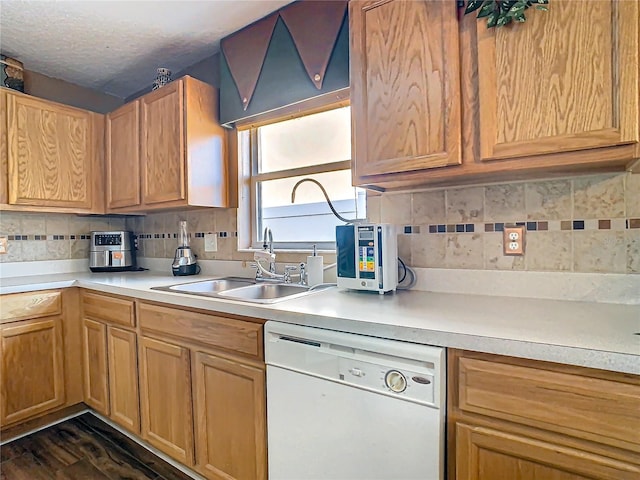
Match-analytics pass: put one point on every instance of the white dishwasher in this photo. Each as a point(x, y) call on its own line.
point(342, 406)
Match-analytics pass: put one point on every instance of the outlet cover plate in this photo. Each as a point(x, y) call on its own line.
point(210, 242)
point(513, 240)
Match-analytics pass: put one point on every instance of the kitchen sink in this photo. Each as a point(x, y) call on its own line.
point(266, 293)
point(241, 289)
point(211, 286)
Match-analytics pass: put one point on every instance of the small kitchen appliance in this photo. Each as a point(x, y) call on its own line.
point(367, 256)
point(184, 261)
point(112, 251)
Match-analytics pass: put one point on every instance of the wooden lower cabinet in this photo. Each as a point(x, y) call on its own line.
point(94, 353)
point(230, 408)
point(488, 454)
point(165, 398)
point(32, 370)
point(122, 355)
point(526, 420)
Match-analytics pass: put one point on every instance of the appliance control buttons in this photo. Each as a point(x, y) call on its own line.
point(356, 372)
point(395, 381)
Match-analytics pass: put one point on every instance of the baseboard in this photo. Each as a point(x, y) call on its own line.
point(29, 427)
point(11, 433)
point(148, 447)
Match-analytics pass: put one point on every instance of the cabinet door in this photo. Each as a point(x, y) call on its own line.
point(94, 352)
point(487, 454)
point(165, 398)
point(230, 419)
point(123, 156)
point(4, 174)
point(566, 80)
point(50, 154)
point(32, 370)
point(162, 148)
point(123, 378)
point(405, 86)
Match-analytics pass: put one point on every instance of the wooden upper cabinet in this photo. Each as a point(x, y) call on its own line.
point(4, 175)
point(405, 86)
point(123, 156)
point(163, 162)
point(50, 154)
point(565, 80)
point(32, 368)
point(183, 148)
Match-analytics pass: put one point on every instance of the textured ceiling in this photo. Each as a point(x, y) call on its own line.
point(115, 46)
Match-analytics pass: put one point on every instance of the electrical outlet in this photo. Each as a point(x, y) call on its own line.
point(513, 240)
point(210, 242)
point(4, 245)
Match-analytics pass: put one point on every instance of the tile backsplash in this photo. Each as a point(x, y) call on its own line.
point(158, 235)
point(35, 236)
point(580, 224)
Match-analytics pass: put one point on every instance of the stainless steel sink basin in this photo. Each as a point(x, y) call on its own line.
point(266, 293)
point(241, 289)
point(211, 286)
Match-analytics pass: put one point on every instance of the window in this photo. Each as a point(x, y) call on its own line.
point(280, 154)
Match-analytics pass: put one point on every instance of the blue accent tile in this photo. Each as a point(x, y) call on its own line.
point(433, 229)
point(469, 227)
point(459, 227)
point(520, 224)
point(532, 226)
point(578, 224)
point(442, 228)
point(407, 229)
point(499, 227)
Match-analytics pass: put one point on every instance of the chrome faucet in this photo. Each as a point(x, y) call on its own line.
point(267, 245)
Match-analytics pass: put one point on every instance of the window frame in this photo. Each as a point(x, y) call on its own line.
point(249, 229)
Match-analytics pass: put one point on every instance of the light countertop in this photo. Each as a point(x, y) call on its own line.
point(596, 335)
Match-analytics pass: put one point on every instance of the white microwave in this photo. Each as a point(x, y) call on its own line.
point(367, 256)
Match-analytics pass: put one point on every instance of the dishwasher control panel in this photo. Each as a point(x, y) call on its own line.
point(393, 378)
point(401, 370)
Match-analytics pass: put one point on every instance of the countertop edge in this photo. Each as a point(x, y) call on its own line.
point(590, 358)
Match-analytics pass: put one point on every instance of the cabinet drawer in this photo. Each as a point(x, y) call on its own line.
point(227, 333)
point(109, 309)
point(598, 408)
point(20, 306)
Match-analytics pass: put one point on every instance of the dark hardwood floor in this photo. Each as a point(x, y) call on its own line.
point(83, 448)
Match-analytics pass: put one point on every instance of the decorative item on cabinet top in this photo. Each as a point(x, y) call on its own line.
point(11, 73)
point(499, 14)
point(163, 76)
